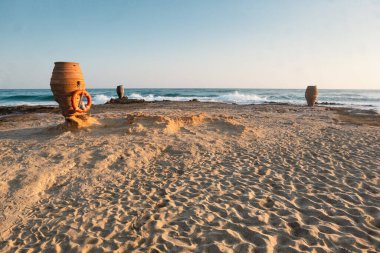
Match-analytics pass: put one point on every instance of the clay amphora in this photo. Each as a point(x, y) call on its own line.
point(66, 78)
point(120, 91)
point(311, 95)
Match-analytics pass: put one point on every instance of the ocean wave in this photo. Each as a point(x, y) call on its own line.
point(232, 97)
point(152, 97)
point(28, 98)
point(17, 103)
point(364, 98)
point(237, 97)
point(100, 99)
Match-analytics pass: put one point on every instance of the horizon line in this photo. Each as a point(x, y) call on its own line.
point(227, 88)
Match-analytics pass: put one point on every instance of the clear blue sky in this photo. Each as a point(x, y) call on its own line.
point(205, 43)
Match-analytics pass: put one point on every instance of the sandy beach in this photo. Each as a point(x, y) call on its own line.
point(191, 177)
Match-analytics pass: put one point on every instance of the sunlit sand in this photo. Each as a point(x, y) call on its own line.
point(191, 177)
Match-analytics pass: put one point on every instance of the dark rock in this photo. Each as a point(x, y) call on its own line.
point(327, 103)
point(125, 100)
point(276, 103)
point(4, 110)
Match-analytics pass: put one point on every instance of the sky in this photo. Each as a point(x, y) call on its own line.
point(193, 44)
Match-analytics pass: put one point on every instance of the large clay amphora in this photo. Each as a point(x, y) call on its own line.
point(120, 91)
point(67, 78)
point(311, 95)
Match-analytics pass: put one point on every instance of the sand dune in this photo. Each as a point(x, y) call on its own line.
point(191, 177)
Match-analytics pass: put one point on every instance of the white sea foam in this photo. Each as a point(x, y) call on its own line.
point(100, 99)
point(152, 97)
point(234, 97)
point(149, 97)
point(237, 97)
point(364, 99)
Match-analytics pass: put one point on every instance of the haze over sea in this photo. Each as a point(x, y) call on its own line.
point(364, 99)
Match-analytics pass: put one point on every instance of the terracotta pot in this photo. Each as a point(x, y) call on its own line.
point(66, 78)
point(311, 95)
point(120, 91)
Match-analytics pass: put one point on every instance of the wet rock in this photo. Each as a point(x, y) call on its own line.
point(125, 100)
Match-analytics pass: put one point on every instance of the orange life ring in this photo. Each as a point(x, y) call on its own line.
point(77, 96)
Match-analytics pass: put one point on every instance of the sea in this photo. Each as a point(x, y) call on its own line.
point(361, 99)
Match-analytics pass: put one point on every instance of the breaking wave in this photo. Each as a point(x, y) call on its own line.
point(233, 97)
point(100, 99)
point(354, 98)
